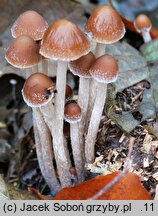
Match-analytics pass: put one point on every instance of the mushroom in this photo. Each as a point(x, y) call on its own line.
point(37, 90)
point(80, 67)
point(23, 53)
point(73, 116)
point(35, 94)
point(143, 25)
point(104, 26)
point(104, 70)
point(62, 41)
point(29, 23)
point(34, 25)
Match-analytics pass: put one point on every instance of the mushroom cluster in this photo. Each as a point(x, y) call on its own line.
point(51, 103)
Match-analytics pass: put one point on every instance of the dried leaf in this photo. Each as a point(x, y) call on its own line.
point(151, 130)
point(128, 188)
point(132, 69)
point(146, 162)
point(147, 143)
point(155, 176)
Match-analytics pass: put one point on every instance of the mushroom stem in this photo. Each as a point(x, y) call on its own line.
point(146, 36)
point(49, 117)
point(44, 151)
point(94, 122)
point(77, 152)
point(31, 70)
point(99, 51)
point(35, 68)
point(44, 65)
point(28, 72)
point(61, 158)
point(83, 98)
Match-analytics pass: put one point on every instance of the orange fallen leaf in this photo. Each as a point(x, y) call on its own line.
point(127, 188)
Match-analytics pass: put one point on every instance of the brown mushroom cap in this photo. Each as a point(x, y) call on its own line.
point(29, 23)
point(73, 171)
point(105, 69)
point(68, 92)
point(72, 113)
point(142, 23)
point(105, 25)
point(63, 40)
point(37, 90)
point(23, 52)
point(81, 66)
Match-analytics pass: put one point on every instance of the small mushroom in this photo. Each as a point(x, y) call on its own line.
point(34, 25)
point(104, 70)
point(35, 94)
point(143, 25)
point(37, 90)
point(73, 116)
point(23, 53)
point(62, 41)
point(80, 68)
point(29, 23)
point(104, 26)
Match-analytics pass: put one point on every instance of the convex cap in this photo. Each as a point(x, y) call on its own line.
point(142, 23)
point(23, 52)
point(105, 25)
point(81, 66)
point(29, 23)
point(37, 90)
point(72, 113)
point(63, 40)
point(105, 69)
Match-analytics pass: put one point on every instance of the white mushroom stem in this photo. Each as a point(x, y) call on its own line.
point(31, 70)
point(99, 51)
point(94, 122)
point(38, 146)
point(48, 114)
point(28, 72)
point(44, 151)
point(58, 138)
point(146, 36)
point(77, 153)
point(35, 69)
point(49, 117)
point(44, 65)
point(83, 98)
